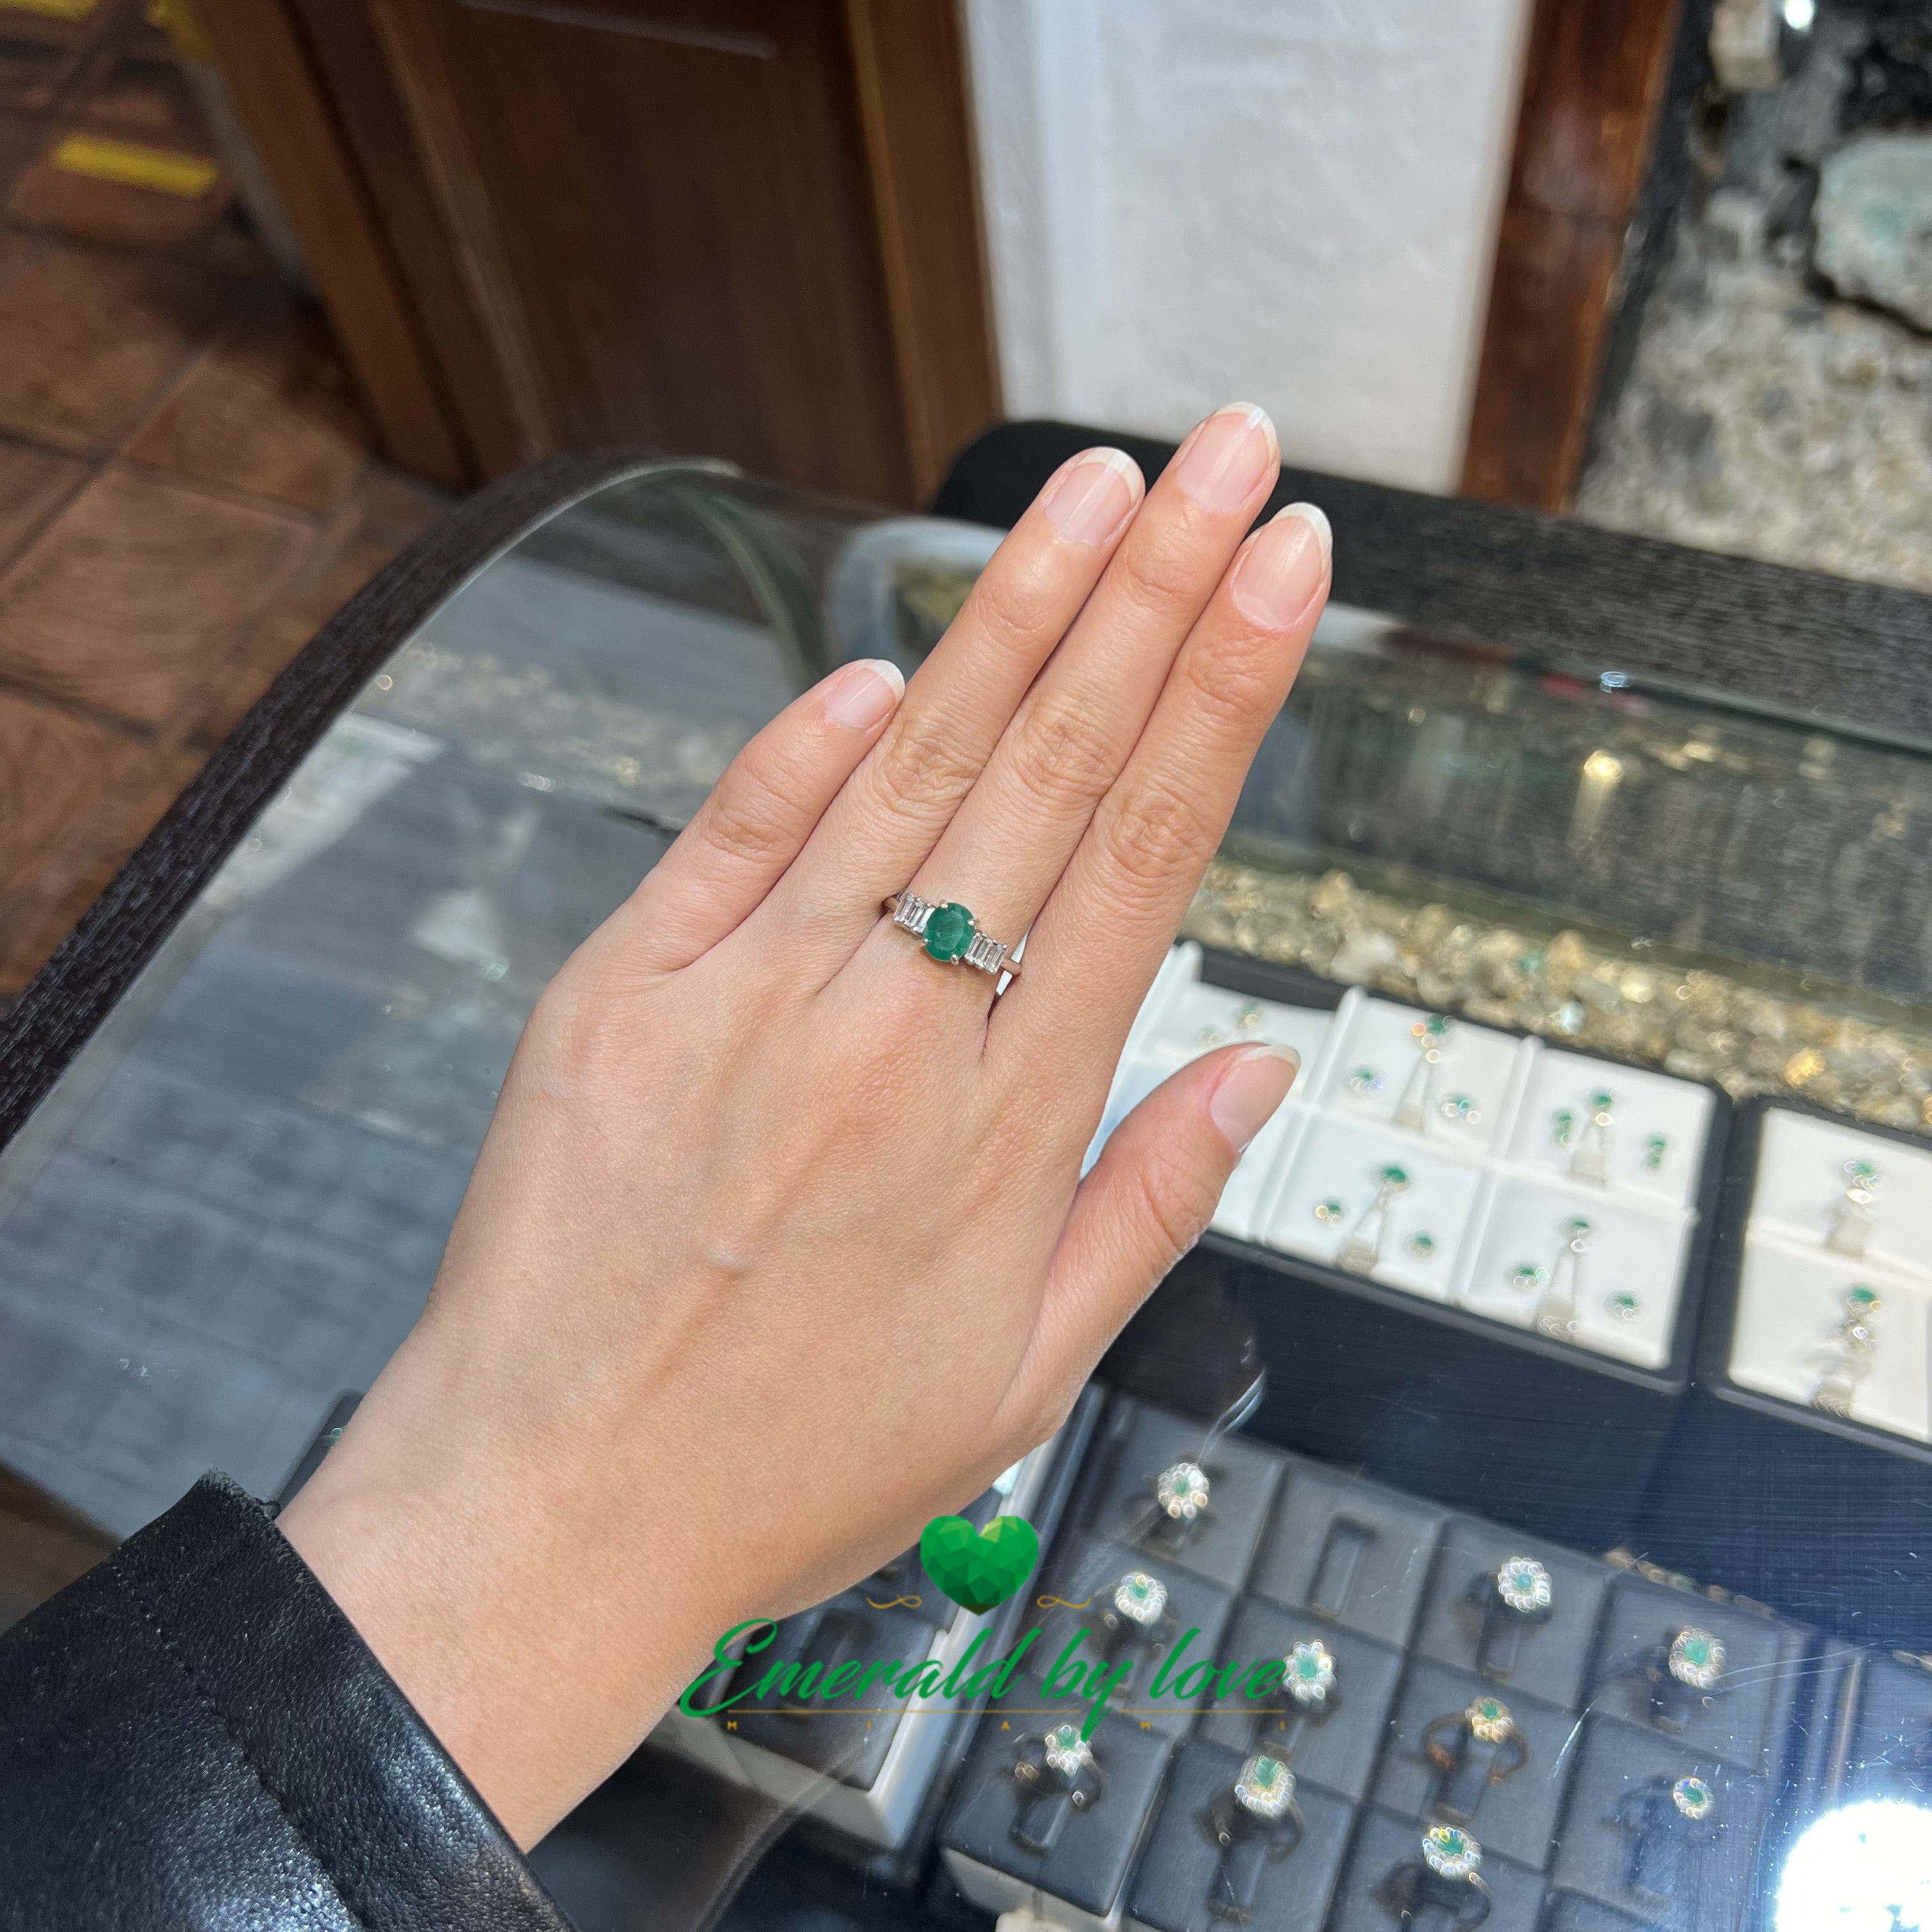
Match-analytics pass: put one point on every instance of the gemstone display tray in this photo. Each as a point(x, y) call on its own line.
point(1482, 1223)
point(1401, 1619)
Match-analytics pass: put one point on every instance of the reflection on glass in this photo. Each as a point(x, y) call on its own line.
point(1866, 1868)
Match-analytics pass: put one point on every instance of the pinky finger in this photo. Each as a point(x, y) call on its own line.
point(757, 817)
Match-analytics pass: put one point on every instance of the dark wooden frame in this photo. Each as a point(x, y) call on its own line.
point(1578, 221)
point(1596, 602)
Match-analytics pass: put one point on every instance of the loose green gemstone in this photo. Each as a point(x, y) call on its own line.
point(1329, 1212)
point(1564, 1127)
point(1436, 1026)
point(1421, 1245)
point(1577, 1229)
point(1625, 1306)
point(1392, 1176)
point(1529, 1275)
point(1861, 1296)
point(949, 931)
point(1653, 1151)
point(1602, 1100)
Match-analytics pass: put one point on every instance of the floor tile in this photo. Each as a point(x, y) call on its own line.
point(34, 483)
point(17, 250)
point(52, 767)
point(266, 411)
point(101, 186)
point(384, 514)
point(132, 596)
point(96, 841)
point(38, 57)
point(92, 339)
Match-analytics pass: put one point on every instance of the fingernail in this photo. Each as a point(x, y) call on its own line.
point(1283, 567)
point(864, 693)
point(1250, 1090)
point(1093, 495)
point(1228, 458)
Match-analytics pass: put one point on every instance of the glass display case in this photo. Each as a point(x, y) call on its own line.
point(1518, 1510)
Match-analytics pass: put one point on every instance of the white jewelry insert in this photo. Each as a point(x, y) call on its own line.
point(1788, 1337)
point(1181, 1019)
point(1791, 1301)
point(1487, 1191)
point(1807, 1173)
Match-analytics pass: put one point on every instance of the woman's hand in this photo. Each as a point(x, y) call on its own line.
point(778, 1245)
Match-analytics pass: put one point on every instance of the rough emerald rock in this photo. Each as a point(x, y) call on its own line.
point(949, 931)
point(1874, 217)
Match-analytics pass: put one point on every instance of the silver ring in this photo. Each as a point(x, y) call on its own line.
point(1140, 1598)
point(1693, 1798)
point(1265, 1787)
point(1182, 1491)
point(1524, 1585)
point(1310, 1674)
point(1697, 1657)
point(1067, 1751)
point(951, 934)
point(1449, 1852)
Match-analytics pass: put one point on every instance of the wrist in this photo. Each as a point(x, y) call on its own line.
point(536, 1646)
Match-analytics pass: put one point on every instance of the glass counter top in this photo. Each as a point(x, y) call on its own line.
point(1591, 1460)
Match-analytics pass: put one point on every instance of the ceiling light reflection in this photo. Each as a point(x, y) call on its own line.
point(1867, 1867)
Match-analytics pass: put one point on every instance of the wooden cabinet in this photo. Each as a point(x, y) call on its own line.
point(740, 228)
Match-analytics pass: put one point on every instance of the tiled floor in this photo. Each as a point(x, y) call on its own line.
point(187, 486)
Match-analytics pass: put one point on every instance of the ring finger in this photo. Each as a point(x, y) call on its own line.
point(1076, 728)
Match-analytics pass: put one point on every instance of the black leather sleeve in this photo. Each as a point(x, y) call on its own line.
point(194, 1736)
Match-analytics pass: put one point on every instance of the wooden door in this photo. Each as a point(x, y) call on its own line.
point(739, 228)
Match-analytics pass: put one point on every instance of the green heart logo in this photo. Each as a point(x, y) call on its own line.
point(979, 1568)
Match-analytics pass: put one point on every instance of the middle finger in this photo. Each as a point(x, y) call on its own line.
point(1076, 728)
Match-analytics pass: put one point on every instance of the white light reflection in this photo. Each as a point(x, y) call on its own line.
point(1799, 15)
point(1866, 1868)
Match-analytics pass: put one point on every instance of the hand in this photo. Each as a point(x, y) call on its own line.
point(778, 1245)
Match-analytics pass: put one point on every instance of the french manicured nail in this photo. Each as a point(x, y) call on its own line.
point(1251, 1089)
point(1093, 495)
point(864, 693)
point(1228, 458)
point(1283, 567)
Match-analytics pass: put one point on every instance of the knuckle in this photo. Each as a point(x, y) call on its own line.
point(1059, 757)
point(751, 817)
point(1178, 1198)
point(1151, 836)
point(921, 762)
point(1232, 682)
point(1162, 571)
point(1011, 608)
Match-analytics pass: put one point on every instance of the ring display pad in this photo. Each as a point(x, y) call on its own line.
point(868, 1773)
point(1543, 1190)
point(1591, 1726)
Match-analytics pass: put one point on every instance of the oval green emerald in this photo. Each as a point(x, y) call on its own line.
point(949, 931)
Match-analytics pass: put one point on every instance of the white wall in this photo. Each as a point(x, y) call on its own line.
point(1292, 202)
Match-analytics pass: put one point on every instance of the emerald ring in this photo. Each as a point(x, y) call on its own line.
point(1265, 1789)
point(951, 934)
